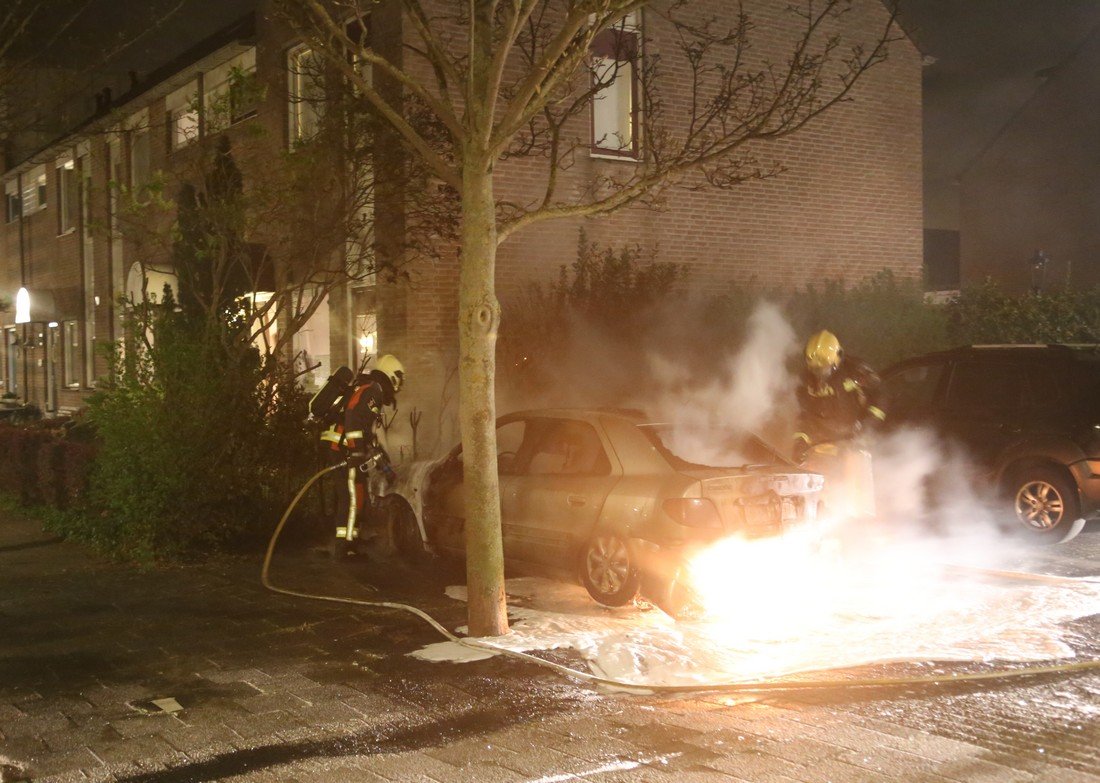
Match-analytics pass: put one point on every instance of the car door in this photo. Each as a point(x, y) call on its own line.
point(445, 509)
point(984, 406)
point(911, 392)
point(565, 480)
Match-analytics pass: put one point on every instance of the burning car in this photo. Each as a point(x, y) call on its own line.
point(600, 496)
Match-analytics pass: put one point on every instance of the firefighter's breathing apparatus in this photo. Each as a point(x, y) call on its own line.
point(340, 383)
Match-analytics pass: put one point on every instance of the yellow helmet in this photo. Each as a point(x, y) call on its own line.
point(392, 369)
point(823, 353)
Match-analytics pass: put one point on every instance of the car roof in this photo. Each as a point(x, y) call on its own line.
point(633, 415)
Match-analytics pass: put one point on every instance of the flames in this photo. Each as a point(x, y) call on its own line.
point(804, 586)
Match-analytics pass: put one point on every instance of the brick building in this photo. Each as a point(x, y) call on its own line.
point(848, 205)
point(1036, 187)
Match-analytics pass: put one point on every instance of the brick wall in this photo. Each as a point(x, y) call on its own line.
point(847, 206)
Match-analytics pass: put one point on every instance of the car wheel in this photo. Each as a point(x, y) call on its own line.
point(1044, 499)
point(405, 534)
point(608, 571)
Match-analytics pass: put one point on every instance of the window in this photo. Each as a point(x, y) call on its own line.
point(365, 324)
point(312, 350)
point(569, 448)
point(306, 93)
point(615, 54)
point(70, 355)
point(983, 387)
point(34, 190)
point(230, 93)
point(13, 205)
point(12, 340)
point(140, 170)
point(912, 390)
point(68, 197)
point(182, 109)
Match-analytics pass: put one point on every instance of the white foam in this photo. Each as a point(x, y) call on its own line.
point(963, 620)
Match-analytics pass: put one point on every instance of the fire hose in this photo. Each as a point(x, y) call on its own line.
point(745, 686)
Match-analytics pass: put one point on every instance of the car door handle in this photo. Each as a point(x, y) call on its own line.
point(577, 501)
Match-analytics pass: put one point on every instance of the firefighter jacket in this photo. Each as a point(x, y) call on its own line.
point(355, 429)
point(836, 408)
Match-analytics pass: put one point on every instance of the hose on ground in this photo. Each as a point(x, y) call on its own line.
point(744, 686)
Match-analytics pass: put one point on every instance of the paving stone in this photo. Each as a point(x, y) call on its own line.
point(890, 763)
point(981, 771)
point(1052, 774)
point(269, 724)
point(146, 749)
point(55, 763)
point(37, 725)
point(755, 766)
point(411, 768)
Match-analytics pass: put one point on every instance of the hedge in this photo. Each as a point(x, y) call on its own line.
point(39, 465)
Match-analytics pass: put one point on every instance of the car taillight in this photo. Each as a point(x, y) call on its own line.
point(692, 512)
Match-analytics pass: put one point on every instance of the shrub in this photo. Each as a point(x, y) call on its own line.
point(200, 445)
point(986, 314)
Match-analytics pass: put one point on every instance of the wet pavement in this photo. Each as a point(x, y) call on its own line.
point(196, 673)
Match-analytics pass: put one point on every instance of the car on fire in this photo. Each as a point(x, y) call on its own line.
point(599, 495)
point(1028, 416)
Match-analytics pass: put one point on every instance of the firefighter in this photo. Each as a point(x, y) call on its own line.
point(355, 436)
point(838, 398)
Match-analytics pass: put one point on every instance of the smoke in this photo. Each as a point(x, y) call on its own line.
point(753, 391)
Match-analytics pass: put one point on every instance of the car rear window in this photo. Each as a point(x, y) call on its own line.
point(738, 449)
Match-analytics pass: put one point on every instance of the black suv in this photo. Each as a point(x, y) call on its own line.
point(1029, 415)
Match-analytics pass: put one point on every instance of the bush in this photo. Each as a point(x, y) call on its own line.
point(200, 445)
point(986, 314)
point(600, 326)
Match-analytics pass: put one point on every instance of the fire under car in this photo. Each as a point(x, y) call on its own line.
point(597, 495)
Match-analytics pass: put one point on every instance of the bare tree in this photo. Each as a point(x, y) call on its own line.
point(514, 78)
point(234, 216)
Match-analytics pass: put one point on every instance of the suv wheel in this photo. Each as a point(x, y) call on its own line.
point(1044, 499)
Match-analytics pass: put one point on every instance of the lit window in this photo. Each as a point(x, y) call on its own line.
point(615, 107)
point(311, 344)
point(306, 93)
point(230, 93)
point(70, 364)
point(182, 108)
point(34, 190)
point(13, 207)
point(68, 196)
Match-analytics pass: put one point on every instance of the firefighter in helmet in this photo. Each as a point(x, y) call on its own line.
point(838, 398)
point(354, 435)
point(837, 395)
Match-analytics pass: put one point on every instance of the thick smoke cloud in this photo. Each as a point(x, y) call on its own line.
point(752, 392)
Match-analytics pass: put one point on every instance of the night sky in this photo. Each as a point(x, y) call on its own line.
point(989, 56)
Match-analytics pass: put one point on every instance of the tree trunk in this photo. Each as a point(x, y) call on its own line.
point(478, 317)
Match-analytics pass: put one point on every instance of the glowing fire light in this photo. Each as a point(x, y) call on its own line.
point(787, 600)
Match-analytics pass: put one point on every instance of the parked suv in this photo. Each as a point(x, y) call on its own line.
point(1028, 414)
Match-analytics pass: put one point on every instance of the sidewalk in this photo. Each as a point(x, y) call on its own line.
point(269, 688)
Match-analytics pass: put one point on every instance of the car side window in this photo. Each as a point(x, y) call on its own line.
point(912, 390)
point(986, 387)
point(509, 440)
point(569, 448)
